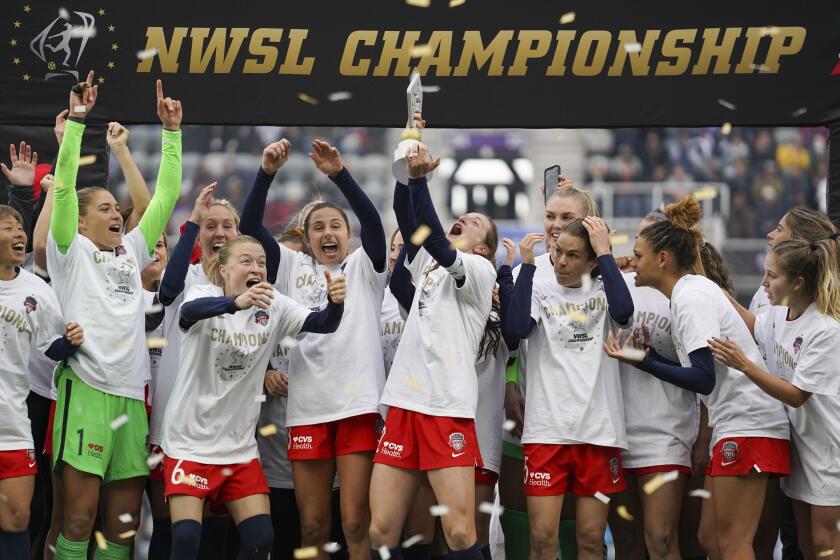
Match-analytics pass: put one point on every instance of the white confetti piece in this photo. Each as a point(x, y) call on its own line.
point(586, 282)
point(307, 98)
point(156, 308)
point(825, 553)
point(624, 514)
point(633, 47)
point(79, 109)
point(268, 430)
point(306, 552)
point(119, 421)
point(148, 53)
point(384, 553)
point(340, 96)
point(568, 17)
point(438, 510)
point(52, 548)
point(83, 32)
point(760, 67)
point(726, 128)
point(331, 547)
point(490, 508)
point(63, 13)
point(727, 104)
point(411, 541)
point(156, 342)
point(601, 497)
point(705, 193)
point(259, 398)
point(769, 31)
point(420, 234)
point(700, 493)
point(154, 460)
point(227, 471)
point(419, 3)
point(757, 469)
point(289, 342)
point(101, 543)
point(128, 534)
point(456, 3)
point(620, 239)
point(508, 425)
point(87, 160)
point(799, 112)
point(657, 481)
point(430, 89)
point(125, 518)
point(3, 497)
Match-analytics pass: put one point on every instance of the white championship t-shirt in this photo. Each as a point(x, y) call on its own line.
point(661, 419)
point(434, 367)
point(103, 292)
point(392, 327)
point(213, 410)
point(760, 302)
point(170, 359)
point(490, 412)
point(337, 375)
point(737, 407)
point(804, 352)
point(30, 321)
point(574, 390)
point(41, 370)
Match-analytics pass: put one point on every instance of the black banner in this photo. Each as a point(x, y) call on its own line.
point(488, 63)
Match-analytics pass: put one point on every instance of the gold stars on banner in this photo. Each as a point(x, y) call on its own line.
point(15, 60)
point(27, 9)
point(111, 65)
point(26, 77)
point(114, 46)
point(16, 24)
point(101, 11)
point(101, 80)
point(112, 28)
point(13, 42)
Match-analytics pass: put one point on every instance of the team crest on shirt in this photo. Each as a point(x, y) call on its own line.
point(457, 441)
point(614, 469)
point(729, 450)
point(119, 251)
point(797, 345)
point(30, 304)
point(261, 317)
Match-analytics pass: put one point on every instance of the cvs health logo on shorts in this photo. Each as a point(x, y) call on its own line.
point(301, 442)
point(539, 478)
point(391, 449)
point(95, 450)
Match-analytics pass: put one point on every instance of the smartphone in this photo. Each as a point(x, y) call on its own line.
point(551, 177)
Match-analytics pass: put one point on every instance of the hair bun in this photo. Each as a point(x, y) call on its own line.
point(684, 213)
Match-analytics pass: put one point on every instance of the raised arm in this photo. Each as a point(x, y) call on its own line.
point(405, 219)
point(504, 278)
point(328, 160)
point(138, 191)
point(517, 322)
point(168, 185)
point(42, 225)
point(400, 284)
point(619, 300)
point(64, 221)
point(21, 176)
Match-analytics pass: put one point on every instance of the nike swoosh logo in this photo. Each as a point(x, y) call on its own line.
point(615, 481)
point(31, 465)
point(727, 463)
point(458, 454)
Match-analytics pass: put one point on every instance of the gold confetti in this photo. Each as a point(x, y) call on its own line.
point(413, 383)
point(438, 510)
point(785, 301)
point(156, 342)
point(705, 193)
point(411, 541)
point(601, 497)
point(3, 497)
point(769, 31)
point(726, 128)
point(331, 547)
point(568, 17)
point(307, 98)
point(620, 239)
point(624, 514)
point(420, 51)
point(101, 543)
point(825, 553)
point(700, 493)
point(128, 534)
point(657, 481)
point(490, 508)
point(577, 315)
point(182, 479)
point(268, 430)
point(306, 552)
point(420, 235)
point(456, 3)
point(458, 244)
point(87, 160)
point(349, 389)
point(125, 517)
point(116, 423)
point(419, 3)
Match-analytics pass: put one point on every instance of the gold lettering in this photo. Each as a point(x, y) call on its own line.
point(561, 51)
point(682, 55)
point(166, 54)
point(349, 66)
point(293, 65)
point(602, 41)
point(532, 44)
point(392, 52)
point(639, 61)
point(747, 64)
point(441, 44)
point(474, 49)
point(217, 48)
point(721, 52)
point(787, 41)
point(98, 257)
point(258, 48)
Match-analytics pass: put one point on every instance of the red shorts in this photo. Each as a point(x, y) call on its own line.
point(48, 436)
point(156, 473)
point(484, 476)
point(17, 462)
point(738, 456)
point(218, 483)
point(355, 434)
point(582, 469)
point(412, 440)
point(641, 471)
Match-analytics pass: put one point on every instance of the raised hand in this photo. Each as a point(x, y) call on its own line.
point(629, 351)
point(82, 103)
point(74, 333)
point(510, 248)
point(336, 287)
point(527, 244)
point(203, 202)
point(275, 155)
point(419, 121)
point(259, 295)
point(117, 136)
point(599, 235)
point(22, 173)
point(625, 264)
point(169, 110)
point(419, 161)
point(60, 122)
point(47, 182)
point(327, 158)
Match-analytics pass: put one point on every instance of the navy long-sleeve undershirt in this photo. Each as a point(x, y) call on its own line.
point(405, 219)
point(61, 349)
point(251, 222)
point(699, 378)
point(424, 213)
point(371, 231)
point(320, 322)
point(400, 284)
point(504, 278)
point(172, 283)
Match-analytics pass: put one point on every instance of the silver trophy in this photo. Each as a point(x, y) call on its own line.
point(410, 136)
